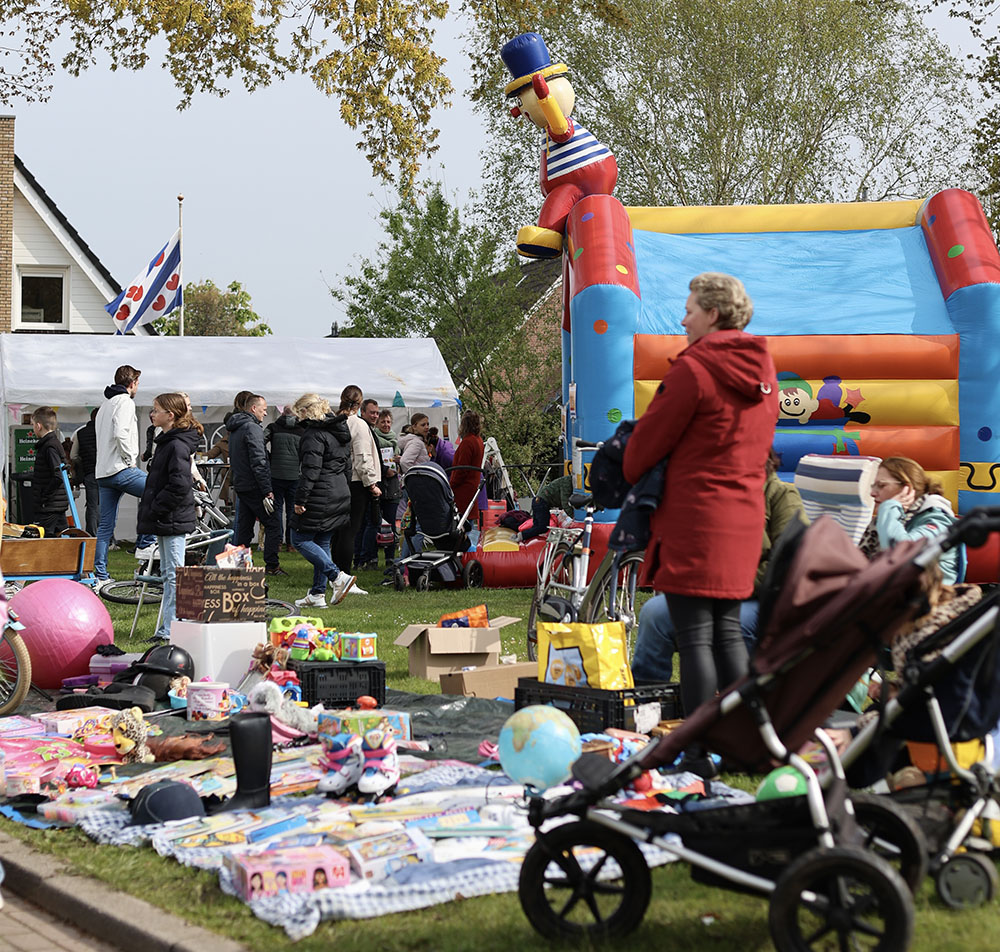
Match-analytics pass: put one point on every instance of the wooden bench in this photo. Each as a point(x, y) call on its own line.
point(27, 560)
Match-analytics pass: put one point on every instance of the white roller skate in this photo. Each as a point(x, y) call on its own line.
point(381, 762)
point(344, 761)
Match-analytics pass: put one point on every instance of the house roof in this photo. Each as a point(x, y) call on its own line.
point(536, 278)
point(85, 249)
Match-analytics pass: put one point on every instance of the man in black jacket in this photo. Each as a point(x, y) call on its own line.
point(51, 499)
point(251, 478)
point(84, 457)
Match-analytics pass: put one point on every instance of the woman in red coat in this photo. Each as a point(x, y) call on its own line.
point(465, 482)
point(714, 415)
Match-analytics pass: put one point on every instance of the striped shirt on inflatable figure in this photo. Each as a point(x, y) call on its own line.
point(581, 149)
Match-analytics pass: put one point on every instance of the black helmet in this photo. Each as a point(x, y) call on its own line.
point(163, 801)
point(166, 659)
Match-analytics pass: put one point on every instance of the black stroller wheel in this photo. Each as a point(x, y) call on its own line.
point(472, 574)
point(890, 832)
point(966, 880)
point(840, 898)
point(569, 891)
point(422, 582)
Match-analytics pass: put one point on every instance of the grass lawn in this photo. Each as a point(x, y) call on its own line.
point(682, 916)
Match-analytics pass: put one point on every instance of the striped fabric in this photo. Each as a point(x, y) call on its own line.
point(583, 149)
point(838, 486)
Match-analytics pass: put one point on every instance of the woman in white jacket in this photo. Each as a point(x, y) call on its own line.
point(366, 471)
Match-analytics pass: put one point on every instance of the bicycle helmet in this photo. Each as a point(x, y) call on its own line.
point(171, 660)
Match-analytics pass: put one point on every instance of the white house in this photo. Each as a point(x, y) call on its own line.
point(50, 279)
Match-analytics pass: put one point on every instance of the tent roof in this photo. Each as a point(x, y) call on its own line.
point(73, 370)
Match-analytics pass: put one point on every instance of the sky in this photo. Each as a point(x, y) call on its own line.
point(276, 196)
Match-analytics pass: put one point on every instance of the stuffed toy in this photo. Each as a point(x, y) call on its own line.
point(269, 698)
point(185, 747)
point(129, 731)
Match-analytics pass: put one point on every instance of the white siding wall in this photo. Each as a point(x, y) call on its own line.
point(36, 244)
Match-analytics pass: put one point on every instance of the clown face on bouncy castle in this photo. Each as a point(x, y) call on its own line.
point(574, 164)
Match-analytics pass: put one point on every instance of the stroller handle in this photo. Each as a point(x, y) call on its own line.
point(973, 529)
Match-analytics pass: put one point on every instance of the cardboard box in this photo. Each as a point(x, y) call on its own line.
point(495, 681)
point(302, 869)
point(360, 722)
point(212, 595)
point(375, 857)
point(436, 651)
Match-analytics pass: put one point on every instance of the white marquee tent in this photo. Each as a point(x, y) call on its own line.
point(70, 372)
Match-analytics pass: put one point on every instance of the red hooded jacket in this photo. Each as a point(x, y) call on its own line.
point(714, 415)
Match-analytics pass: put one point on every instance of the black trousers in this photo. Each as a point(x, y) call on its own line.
point(252, 510)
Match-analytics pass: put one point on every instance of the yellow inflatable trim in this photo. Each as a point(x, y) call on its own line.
point(751, 219)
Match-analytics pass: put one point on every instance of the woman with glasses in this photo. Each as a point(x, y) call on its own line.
point(910, 506)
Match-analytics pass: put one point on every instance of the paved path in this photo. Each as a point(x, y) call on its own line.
point(26, 928)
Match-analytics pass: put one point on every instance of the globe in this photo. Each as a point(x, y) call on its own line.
point(538, 745)
point(782, 782)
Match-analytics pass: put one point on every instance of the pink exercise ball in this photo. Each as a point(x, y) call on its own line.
point(64, 622)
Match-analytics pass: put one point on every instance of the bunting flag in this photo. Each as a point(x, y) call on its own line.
point(155, 291)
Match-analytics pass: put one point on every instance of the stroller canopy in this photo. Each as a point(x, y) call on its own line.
point(432, 499)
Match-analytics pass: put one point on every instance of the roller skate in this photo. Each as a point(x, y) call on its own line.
point(344, 762)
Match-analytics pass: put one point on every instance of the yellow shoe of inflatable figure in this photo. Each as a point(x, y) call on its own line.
point(499, 539)
point(536, 242)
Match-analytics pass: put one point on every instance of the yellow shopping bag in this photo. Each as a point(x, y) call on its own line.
point(581, 655)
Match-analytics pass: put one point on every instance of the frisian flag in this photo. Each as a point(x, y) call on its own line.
point(155, 291)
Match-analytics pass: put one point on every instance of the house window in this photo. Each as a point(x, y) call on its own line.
point(44, 297)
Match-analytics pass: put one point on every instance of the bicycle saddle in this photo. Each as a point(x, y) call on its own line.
point(580, 500)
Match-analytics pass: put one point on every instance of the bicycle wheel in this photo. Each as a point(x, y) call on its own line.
point(597, 602)
point(562, 573)
point(276, 608)
point(127, 592)
point(15, 671)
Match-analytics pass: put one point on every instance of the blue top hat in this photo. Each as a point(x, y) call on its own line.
point(526, 55)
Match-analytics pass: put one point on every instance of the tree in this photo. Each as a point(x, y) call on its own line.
point(747, 101)
point(211, 311)
point(435, 274)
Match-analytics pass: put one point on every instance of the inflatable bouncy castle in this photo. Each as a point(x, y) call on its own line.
point(882, 319)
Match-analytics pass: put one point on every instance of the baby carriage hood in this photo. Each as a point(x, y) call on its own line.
point(434, 505)
point(822, 633)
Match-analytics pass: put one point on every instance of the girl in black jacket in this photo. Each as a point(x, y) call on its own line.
point(166, 508)
point(323, 495)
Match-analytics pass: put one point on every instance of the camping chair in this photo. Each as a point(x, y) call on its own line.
point(838, 486)
point(213, 543)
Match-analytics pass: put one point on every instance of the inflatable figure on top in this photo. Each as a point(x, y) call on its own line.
point(574, 164)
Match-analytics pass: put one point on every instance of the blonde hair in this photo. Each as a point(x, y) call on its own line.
point(727, 295)
point(910, 473)
point(311, 406)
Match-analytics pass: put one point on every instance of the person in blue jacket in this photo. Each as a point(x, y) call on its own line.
point(911, 505)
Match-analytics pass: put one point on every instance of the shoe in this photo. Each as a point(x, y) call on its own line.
point(344, 762)
point(356, 589)
point(144, 555)
point(381, 772)
point(702, 765)
point(250, 736)
point(370, 567)
point(340, 586)
point(275, 570)
point(312, 600)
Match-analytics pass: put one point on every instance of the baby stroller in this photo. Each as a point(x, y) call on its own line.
point(950, 693)
point(434, 511)
point(825, 614)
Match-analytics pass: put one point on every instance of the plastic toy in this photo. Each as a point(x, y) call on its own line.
point(574, 163)
point(130, 730)
point(80, 776)
point(64, 622)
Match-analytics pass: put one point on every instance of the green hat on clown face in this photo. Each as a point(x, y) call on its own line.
point(788, 381)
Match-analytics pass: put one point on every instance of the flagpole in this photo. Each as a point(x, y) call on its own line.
point(180, 246)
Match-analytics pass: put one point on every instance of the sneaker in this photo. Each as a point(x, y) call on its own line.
point(275, 570)
point(144, 555)
point(340, 586)
point(356, 589)
point(381, 762)
point(312, 600)
point(369, 567)
point(344, 762)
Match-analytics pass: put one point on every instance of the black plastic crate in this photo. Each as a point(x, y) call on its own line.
point(593, 710)
point(340, 683)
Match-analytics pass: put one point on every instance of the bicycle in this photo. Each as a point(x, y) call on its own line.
point(15, 666)
point(562, 592)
